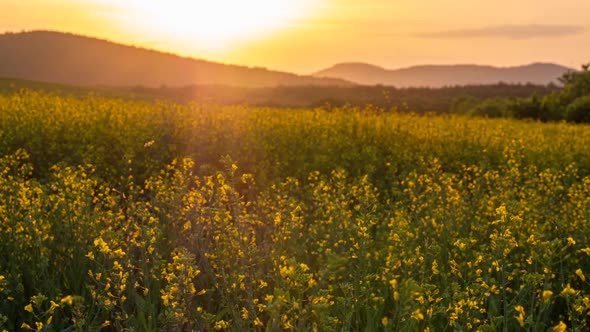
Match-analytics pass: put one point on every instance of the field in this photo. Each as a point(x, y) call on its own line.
point(120, 215)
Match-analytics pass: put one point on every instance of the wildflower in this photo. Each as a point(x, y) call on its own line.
point(166, 297)
point(286, 323)
point(258, 322)
point(39, 326)
point(571, 241)
point(521, 313)
point(417, 315)
point(561, 327)
point(580, 274)
point(244, 313)
point(385, 321)
point(67, 300)
point(53, 306)
point(221, 325)
point(26, 326)
point(435, 268)
point(547, 295)
point(119, 253)
point(569, 291)
point(29, 307)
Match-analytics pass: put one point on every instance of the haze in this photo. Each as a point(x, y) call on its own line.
point(304, 36)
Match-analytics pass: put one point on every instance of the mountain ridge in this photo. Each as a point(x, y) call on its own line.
point(68, 58)
point(445, 75)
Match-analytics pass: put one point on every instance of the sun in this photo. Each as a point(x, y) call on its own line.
point(212, 24)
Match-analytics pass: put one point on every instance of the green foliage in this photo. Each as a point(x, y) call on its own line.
point(492, 108)
point(464, 105)
point(579, 110)
point(328, 220)
point(576, 84)
point(527, 108)
point(566, 103)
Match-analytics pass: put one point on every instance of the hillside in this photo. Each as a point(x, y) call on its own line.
point(77, 60)
point(445, 75)
point(419, 100)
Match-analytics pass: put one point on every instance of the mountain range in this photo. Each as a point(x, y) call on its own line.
point(77, 60)
point(445, 75)
point(71, 59)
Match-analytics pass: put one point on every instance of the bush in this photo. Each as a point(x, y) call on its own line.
point(492, 108)
point(579, 110)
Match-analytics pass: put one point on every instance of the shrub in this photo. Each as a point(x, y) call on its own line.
point(579, 110)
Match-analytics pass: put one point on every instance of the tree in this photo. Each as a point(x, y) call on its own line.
point(575, 84)
point(579, 110)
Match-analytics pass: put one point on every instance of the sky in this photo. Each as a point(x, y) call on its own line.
point(304, 36)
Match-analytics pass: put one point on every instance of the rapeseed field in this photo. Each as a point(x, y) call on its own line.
point(120, 215)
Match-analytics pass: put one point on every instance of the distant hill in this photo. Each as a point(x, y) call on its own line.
point(445, 75)
point(419, 100)
point(71, 59)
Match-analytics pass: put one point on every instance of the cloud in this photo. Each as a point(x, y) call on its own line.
point(509, 32)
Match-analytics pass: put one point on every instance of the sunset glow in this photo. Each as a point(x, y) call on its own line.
point(303, 36)
point(209, 24)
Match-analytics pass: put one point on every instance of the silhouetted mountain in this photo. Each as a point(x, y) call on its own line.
point(72, 59)
point(445, 75)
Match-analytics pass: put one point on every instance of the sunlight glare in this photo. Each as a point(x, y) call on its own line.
point(212, 24)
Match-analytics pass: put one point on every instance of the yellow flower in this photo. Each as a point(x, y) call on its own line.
point(580, 274)
point(385, 321)
point(221, 325)
point(569, 291)
point(286, 323)
point(561, 327)
point(417, 315)
point(39, 326)
point(521, 313)
point(29, 307)
point(435, 268)
point(571, 241)
point(547, 296)
point(26, 326)
point(53, 306)
point(244, 313)
point(258, 322)
point(67, 300)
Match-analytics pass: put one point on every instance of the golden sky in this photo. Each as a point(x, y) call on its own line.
point(304, 36)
